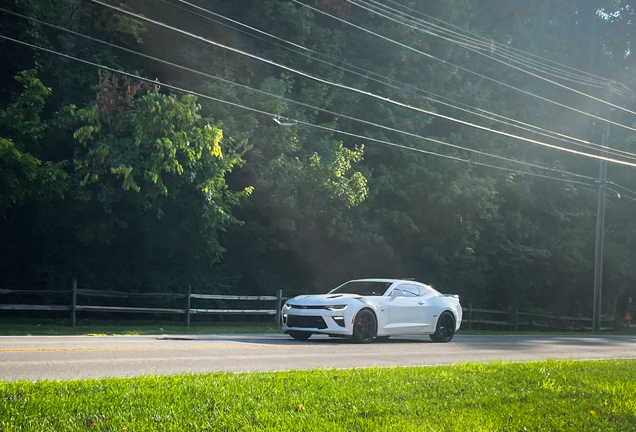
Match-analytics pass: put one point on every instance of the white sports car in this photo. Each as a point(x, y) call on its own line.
point(366, 309)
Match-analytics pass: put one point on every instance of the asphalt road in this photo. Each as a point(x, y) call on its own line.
point(68, 357)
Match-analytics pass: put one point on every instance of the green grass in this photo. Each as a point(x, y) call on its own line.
point(23, 327)
point(542, 396)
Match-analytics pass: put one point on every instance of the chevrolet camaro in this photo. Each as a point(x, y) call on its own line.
point(368, 309)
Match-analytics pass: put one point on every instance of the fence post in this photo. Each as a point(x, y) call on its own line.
point(73, 302)
point(516, 319)
point(279, 307)
point(187, 311)
point(470, 316)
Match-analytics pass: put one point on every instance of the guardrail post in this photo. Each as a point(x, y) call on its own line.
point(470, 316)
point(73, 302)
point(279, 307)
point(187, 311)
point(516, 318)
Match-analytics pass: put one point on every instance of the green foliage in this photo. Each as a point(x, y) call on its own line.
point(548, 395)
point(151, 177)
point(134, 156)
point(22, 118)
point(25, 178)
point(158, 156)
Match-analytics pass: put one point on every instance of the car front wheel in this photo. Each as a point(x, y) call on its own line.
point(364, 327)
point(445, 328)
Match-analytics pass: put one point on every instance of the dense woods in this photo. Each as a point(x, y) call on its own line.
point(129, 184)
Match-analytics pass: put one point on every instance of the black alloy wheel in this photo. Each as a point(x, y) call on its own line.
point(445, 328)
point(364, 327)
point(300, 335)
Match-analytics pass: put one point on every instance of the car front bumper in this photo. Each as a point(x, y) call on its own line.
point(318, 321)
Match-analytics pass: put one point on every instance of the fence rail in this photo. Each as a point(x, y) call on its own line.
point(512, 319)
point(526, 320)
point(188, 310)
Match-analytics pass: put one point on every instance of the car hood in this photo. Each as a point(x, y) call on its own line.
point(323, 299)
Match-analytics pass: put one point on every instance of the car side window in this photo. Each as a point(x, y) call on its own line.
point(410, 290)
point(423, 291)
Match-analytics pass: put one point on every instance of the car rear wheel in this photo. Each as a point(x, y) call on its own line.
point(300, 335)
point(445, 328)
point(364, 327)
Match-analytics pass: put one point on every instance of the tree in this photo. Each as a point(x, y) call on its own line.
point(145, 194)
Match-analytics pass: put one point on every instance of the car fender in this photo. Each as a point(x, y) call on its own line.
point(457, 317)
point(378, 307)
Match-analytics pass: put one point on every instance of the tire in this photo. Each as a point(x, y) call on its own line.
point(364, 327)
point(445, 328)
point(300, 335)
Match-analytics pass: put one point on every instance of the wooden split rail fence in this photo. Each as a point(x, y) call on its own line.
point(477, 318)
point(473, 319)
point(187, 310)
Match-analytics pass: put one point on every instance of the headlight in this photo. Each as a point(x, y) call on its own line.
point(336, 307)
point(286, 307)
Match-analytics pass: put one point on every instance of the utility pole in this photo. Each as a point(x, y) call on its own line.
point(600, 226)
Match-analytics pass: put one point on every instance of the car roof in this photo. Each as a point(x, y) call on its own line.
point(392, 281)
point(387, 280)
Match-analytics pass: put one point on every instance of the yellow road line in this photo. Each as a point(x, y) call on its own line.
point(142, 348)
point(137, 348)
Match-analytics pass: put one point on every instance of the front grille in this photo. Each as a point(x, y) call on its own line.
point(308, 307)
point(300, 321)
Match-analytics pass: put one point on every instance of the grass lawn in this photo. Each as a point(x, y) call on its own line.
point(24, 327)
point(542, 396)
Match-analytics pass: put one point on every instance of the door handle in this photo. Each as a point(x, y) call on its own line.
point(421, 303)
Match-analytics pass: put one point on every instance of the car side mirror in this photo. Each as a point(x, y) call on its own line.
point(397, 293)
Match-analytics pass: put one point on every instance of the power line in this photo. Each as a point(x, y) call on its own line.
point(623, 188)
point(619, 196)
point(509, 48)
point(297, 102)
point(466, 46)
point(504, 51)
point(474, 46)
point(436, 98)
point(425, 54)
point(355, 90)
point(236, 105)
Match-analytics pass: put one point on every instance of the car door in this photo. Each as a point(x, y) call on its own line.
point(407, 314)
point(427, 309)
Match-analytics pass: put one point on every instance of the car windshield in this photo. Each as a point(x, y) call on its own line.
point(363, 288)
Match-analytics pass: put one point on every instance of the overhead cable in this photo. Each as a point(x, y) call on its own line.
point(512, 49)
point(623, 188)
point(355, 90)
point(489, 45)
point(425, 54)
point(434, 97)
point(271, 115)
point(558, 84)
point(474, 46)
point(340, 115)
